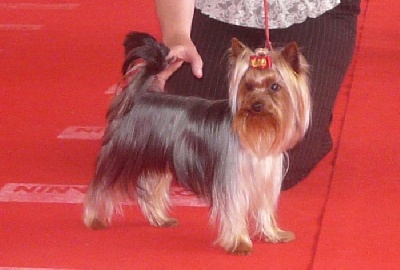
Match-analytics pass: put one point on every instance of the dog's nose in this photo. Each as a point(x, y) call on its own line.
point(257, 106)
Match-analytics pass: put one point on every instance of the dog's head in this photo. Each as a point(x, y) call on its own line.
point(270, 97)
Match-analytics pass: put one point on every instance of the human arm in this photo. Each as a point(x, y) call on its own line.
point(175, 18)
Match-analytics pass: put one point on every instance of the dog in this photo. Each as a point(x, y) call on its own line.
point(231, 152)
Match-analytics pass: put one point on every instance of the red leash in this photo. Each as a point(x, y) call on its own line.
point(261, 59)
point(268, 44)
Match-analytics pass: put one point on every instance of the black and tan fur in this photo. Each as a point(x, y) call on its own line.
point(230, 152)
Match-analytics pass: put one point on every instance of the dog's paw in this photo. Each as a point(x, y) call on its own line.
point(243, 248)
point(96, 224)
point(280, 237)
point(170, 222)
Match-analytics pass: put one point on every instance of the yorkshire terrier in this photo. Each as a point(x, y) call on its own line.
point(230, 152)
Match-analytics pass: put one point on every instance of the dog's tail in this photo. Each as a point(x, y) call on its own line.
point(142, 46)
point(145, 57)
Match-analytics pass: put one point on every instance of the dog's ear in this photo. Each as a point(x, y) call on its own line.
point(237, 47)
point(291, 54)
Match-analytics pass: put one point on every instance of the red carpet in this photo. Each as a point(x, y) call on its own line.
point(58, 59)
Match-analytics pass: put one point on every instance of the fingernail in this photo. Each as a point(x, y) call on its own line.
point(199, 73)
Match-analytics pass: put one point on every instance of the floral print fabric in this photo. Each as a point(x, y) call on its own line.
point(250, 13)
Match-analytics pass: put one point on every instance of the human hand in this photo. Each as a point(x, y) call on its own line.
point(181, 50)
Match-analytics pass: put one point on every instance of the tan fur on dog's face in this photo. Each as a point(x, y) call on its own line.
point(272, 105)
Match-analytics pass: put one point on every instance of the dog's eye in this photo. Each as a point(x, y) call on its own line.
point(275, 87)
point(249, 86)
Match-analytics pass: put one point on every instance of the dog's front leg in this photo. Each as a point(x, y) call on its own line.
point(268, 176)
point(268, 227)
point(233, 232)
